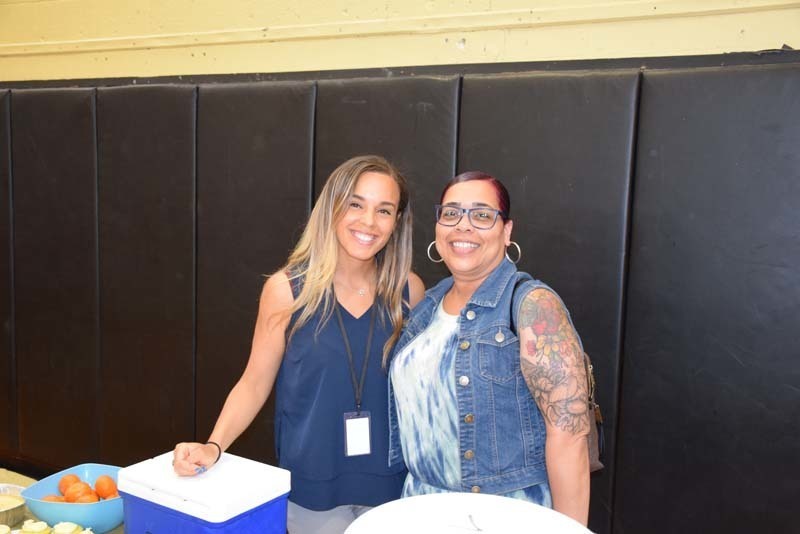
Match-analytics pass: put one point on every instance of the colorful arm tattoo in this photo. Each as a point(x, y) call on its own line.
point(552, 362)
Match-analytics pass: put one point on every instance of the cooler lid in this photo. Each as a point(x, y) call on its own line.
point(233, 486)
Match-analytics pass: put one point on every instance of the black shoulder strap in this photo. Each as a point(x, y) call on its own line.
point(512, 324)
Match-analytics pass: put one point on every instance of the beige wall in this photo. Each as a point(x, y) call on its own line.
point(55, 39)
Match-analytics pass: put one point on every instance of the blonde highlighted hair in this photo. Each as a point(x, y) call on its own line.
point(315, 256)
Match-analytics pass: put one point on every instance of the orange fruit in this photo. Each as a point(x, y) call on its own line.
point(87, 497)
point(76, 490)
point(105, 486)
point(112, 496)
point(66, 481)
point(53, 498)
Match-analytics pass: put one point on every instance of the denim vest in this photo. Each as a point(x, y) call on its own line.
point(501, 431)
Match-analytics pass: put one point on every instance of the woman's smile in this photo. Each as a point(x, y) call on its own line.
point(463, 247)
point(364, 238)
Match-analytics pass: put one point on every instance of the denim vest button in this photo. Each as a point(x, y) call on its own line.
point(464, 345)
point(469, 418)
point(476, 489)
point(499, 337)
point(463, 380)
point(469, 455)
point(470, 315)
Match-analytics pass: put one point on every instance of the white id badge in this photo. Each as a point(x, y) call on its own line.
point(356, 434)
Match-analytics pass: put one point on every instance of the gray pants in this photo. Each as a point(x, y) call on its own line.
point(335, 521)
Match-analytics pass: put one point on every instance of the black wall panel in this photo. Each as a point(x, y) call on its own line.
point(146, 204)
point(410, 121)
point(709, 428)
point(134, 240)
point(55, 266)
point(562, 144)
point(8, 397)
point(254, 188)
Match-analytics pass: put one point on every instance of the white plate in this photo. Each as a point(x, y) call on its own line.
point(463, 513)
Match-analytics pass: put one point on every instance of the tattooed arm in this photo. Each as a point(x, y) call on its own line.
point(552, 363)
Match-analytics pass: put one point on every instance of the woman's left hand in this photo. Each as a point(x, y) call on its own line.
point(551, 359)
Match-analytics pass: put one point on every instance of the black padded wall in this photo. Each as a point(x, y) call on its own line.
point(254, 188)
point(709, 426)
point(146, 229)
point(562, 144)
point(129, 287)
point(55, 273)
point(410, 121)
point(8, 397)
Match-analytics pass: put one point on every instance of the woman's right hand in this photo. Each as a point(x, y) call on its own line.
point(190, 459)
point(251, 391)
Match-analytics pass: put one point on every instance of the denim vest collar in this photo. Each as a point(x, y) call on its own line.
point(487, 295)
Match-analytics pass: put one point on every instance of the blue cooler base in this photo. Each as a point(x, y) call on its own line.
point(145, 517)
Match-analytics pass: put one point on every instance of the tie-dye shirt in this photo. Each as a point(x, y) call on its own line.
point(423, 376)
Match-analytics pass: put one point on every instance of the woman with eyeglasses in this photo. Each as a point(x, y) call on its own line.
point(488, 381)
point(326, 323)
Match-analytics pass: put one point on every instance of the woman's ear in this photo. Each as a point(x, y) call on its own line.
point(507, 226)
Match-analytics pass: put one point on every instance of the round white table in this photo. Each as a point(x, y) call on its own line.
point(461, 513)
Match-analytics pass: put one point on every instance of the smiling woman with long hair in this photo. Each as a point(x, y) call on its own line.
point(326, 322)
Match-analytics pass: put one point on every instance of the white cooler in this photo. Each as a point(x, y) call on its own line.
point(236, 495)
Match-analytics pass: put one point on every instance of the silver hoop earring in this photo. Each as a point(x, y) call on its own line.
point(519, 252)
point(440, 260)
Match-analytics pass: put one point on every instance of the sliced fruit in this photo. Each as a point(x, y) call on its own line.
point(32, 526)
point(67, 527)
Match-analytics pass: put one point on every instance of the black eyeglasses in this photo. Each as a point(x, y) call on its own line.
point(480, 218)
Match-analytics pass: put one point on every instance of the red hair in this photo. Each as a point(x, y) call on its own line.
point(503, 200)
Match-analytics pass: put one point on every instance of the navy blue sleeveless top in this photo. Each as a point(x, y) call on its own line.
point(313, 392)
